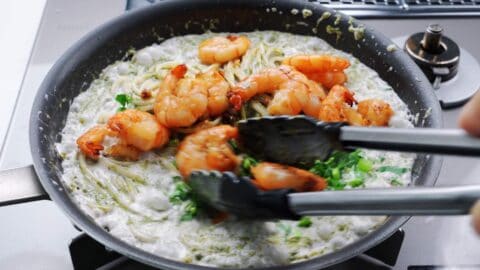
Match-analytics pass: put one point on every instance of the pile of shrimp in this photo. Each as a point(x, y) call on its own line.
point(308, 84)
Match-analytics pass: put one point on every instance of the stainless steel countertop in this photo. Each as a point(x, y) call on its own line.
point(36, 235)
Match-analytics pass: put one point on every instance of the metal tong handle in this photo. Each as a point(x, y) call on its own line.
point(427, 140)
point(403, 201)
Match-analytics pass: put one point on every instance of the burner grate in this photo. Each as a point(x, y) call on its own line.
point(87, 254)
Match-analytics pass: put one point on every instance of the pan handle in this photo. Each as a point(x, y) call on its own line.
point(20, 185)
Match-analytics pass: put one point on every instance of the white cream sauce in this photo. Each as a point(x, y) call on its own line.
point(131, 200)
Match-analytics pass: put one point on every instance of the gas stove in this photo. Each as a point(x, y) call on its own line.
point(87, 254)
point(40, 232)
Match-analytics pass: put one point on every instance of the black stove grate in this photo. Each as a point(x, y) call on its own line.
point(385, 8)
point(87, 254)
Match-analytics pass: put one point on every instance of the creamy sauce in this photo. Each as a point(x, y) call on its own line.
point(131, 199)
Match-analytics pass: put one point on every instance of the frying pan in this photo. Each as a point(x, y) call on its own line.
point(84, 61)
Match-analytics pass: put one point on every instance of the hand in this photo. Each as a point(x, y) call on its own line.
point(470, 121)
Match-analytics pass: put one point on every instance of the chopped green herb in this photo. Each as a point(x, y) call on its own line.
point(304, 222)
point(336, 175)
point(333, 168)
point(393, 169)
point(124, 101)
point(395, 182)
point(234, 145)
point(364, 165)
point(190, 211)
point(357, 182)
point(181, 192)
point(247, 163)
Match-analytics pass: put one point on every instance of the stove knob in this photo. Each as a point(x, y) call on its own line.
point(437, 55)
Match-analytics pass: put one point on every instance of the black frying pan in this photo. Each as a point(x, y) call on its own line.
point(74, 71)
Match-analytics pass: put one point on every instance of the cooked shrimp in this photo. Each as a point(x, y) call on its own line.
point(135, 130)
point(217, 88)
point(222, 49)
point(292, 91)
point(180, 101)
point(123, 151)
point(328, 79)
point(90, 142)
point(270, 176)
point(207, 149)
point(375, 111)
point(139, 129)
point(325, 69)
point(335, 107)
point(317, 63)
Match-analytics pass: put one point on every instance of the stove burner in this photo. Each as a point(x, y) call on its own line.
point(87, 254)
point(437, 55)
point(454, 81)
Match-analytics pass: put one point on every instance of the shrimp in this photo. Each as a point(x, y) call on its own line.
point(217, 89)
point(324, 69)
point(222, 49)
point(90, 142)
point(180, 101)
point(135, 130)
point(317, 63)
point(292, 91)
point(335, 107)
point(123, 151)
point(207, 149)
point(268, 176)
point(375, 111)
point(328, 79)
point(139, 129)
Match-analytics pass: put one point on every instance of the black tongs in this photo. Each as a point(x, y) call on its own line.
point(302, 140)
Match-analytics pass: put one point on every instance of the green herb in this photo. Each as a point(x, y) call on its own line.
point(395, 182)
point(234, 145)
point(333, 168)
point(190, 211)
point(247, 163)
point(304, 222)
point(181, 192)
point(357, 182)
point(364, 165)
point(124, 101)
point(393, 169)
point(336, 175)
